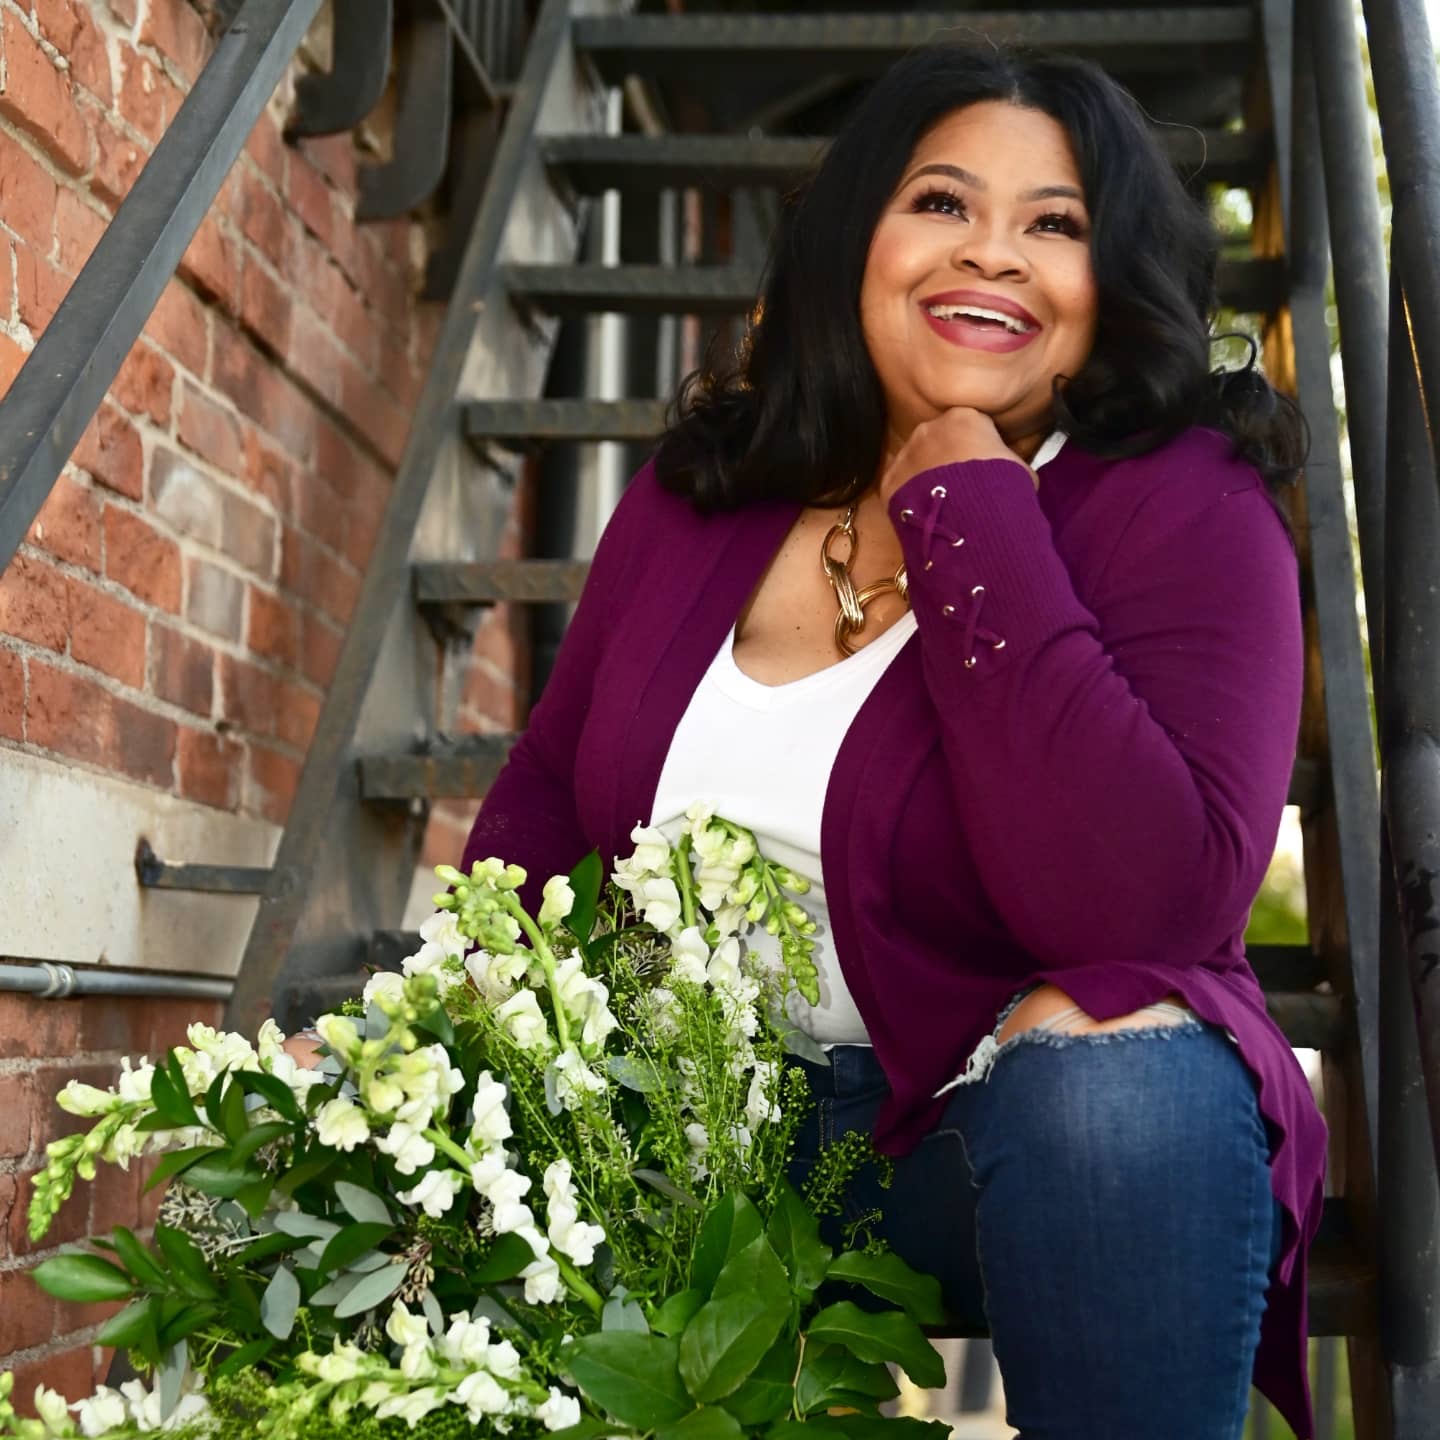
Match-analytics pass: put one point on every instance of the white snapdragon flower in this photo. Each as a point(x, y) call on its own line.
point(689, 955)
point(491, 1121)
point(432, 959)
point(523, 1021)
point(584, 999)
point(574, 1079)
point(134, 1083)
point(341, 1124)
point(543, 1285)
point(343, 1363)
point(409, 1148)
point(405, 1328)
point(429, 1081)
point(385, 988)
point(466, 1342)
point(699, 1140)
point(723, 971)
point(505, 1191)
point(339, 1033)
point(412, 1406)
point(759, 1109)
point(496, 976)
point(122, 1147)
point(383, 1094)
point(289, 1072)
point(79, 1099)
point(713, 882)
point(728, 919)
point(570, 1235)
point(435, 1193)
point(652, 849)
point(443, 929)
point(102, 1412)
point(270, 1042)
point(559, 901)
point(559, 1411)
point(228, 1050)
point(52, 1410)
point(658, 901)
point(481, 1394)
point(143, 1404)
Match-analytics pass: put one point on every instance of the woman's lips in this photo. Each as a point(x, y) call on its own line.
point(978, 337)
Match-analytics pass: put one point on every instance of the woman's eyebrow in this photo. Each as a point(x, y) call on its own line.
point(1043, 192)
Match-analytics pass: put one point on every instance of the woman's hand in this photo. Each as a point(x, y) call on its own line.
point(959, 434)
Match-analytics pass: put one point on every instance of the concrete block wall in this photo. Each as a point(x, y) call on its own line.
point(169, 627)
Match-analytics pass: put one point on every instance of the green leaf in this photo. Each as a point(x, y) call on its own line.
point(301, 1222)
point(828, 1371)
point(860, 1427)
point(221, 1176)
point(177, 1160)
point(437, 1022)
point(361, 1204)
point(732, 1223)
point(506, 1258)
point(677, 1312)
point(351, 1243)
point(233, 1120)
point(130, 1326)
point(171, 1100)
point(254, 1198)
point(257, 1136)
point(585, 882)
point(279, 1303)
point(307, 1170)
point(187, 1264)
point(633, 1074)
point(170, 1377)
point(83, 1277)
point(726, 1340)
point(770, 1390)
point(245, 1357)
point(889, 1277)
point(755, 1270)
point(890, 1336)
point(337, 1289)
point(274, 1091)
point(266, 1246)
point(372, 1289)
point(657, 1180)
point(137, 1260)
point(795, 1234)
point(636, 1378)
point(707, 1423)
point(186, 1322)
point(586, 1429)
point(212, 1103)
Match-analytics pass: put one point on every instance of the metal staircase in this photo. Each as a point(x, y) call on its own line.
point(728, 107)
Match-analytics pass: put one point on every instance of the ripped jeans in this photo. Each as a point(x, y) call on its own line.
point(1101, 1204)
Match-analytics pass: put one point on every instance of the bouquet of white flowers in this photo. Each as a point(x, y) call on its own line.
point(537, 1184)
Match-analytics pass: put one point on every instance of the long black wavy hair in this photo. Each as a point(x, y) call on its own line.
point(799, 412)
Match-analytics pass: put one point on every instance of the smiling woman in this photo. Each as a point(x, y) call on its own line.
point(963, 588)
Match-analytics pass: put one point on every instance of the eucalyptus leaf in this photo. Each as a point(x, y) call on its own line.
point(552, 1089)
point(889, 1277)
point(371, 1290)
point(726, 1340)
point(352, 1242)
point(436, 1316)
point(370, 1260)
point(362, 1204)
point(794, 1041)
point(487, 1307)
point(336, 1290)
point(634, 1074)
point(170, 1377)
point(297, 1222)
point(279, 1303)
point(635, 1378)
point(623, 1314)
point(888, 1336)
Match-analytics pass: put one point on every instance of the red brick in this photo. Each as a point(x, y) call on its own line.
point(322, 513)
point(265, 309)
point(261, 393)
point(32, 603)
point(78, 229)
point(109, 1023)
point(334, 157)
point(274, 629)
point(320, 649)
point(88, 57)
point(125, 11)
point(36, 97)
point(142, 93)
point(114, 1200)
point(309, 197)
point(210, 768)
point(214, 598)
point(264, 223)
point(184, 670)
point(59, 23)
point(27, 196)
point(212, 264)
point(375, 414)
point(249, 696)
point(297, 714)
point(248, 535)
point(314, 356)
point(267, 472)
point(17, 1104)
point(119, 159)
point(34, 1028)
point(111, 452)
point(12, 697)
point(39, 289)
point(7, 289)
point(398, 374)
point(12, 357)
point(175, 29)
point(141, 559)
point(272, 781)
point(356, 326)
point(27, 1313)
point(145, 744)
point(145, 383)
point(386, 290)
point(180, 324)
point(70, 1372)
point(317, 576)
point(266, 148)
point(107, 634)
point(68, 525)
point(211, 431)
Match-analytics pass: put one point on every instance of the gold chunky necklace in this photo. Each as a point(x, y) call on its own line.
point(851, 619)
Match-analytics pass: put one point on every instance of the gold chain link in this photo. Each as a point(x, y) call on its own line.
point(851, 619)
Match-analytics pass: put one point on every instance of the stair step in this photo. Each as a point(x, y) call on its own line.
point(486, 582)
point(459, 768)
point(593, 164)
point(1248, 286)
point(802, 46)
point(540, 420)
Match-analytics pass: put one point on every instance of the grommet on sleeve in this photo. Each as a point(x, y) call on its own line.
point(947, 610)
point(906, 516)
point(939, 492)
point(973, 630)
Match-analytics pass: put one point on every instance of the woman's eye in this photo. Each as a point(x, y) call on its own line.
point(1060, 223)
point(939, 202)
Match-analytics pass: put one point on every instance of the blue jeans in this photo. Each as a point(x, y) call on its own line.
point(1102, 1203)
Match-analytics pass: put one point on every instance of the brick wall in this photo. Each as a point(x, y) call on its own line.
point(178, 608)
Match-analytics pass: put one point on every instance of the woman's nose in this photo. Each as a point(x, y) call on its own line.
point(988, 254)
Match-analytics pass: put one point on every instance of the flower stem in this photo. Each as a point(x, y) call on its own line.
point(511, 901)
point(578, 1285)
point(687, 885)
point(441, 1141)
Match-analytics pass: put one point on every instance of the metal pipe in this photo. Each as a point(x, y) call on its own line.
point(1407, 97)
point(48, 981)
point(1361, 287)
point(61, 385)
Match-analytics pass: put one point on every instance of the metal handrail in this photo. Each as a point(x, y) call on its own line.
point(61, 384)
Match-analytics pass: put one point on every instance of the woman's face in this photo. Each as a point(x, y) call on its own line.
point(990, 213)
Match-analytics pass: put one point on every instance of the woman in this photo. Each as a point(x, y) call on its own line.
point(1040, 795)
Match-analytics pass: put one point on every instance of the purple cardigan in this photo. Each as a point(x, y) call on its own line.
point(1093, 802)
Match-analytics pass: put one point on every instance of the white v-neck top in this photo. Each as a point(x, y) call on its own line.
point(762, 756)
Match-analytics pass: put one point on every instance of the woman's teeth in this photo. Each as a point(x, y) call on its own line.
point(973, 312)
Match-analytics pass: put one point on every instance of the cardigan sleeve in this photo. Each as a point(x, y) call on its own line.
point(1120, 768)
point(528, 816)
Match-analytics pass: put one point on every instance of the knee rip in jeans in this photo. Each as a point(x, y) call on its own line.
point(1064, 1028)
